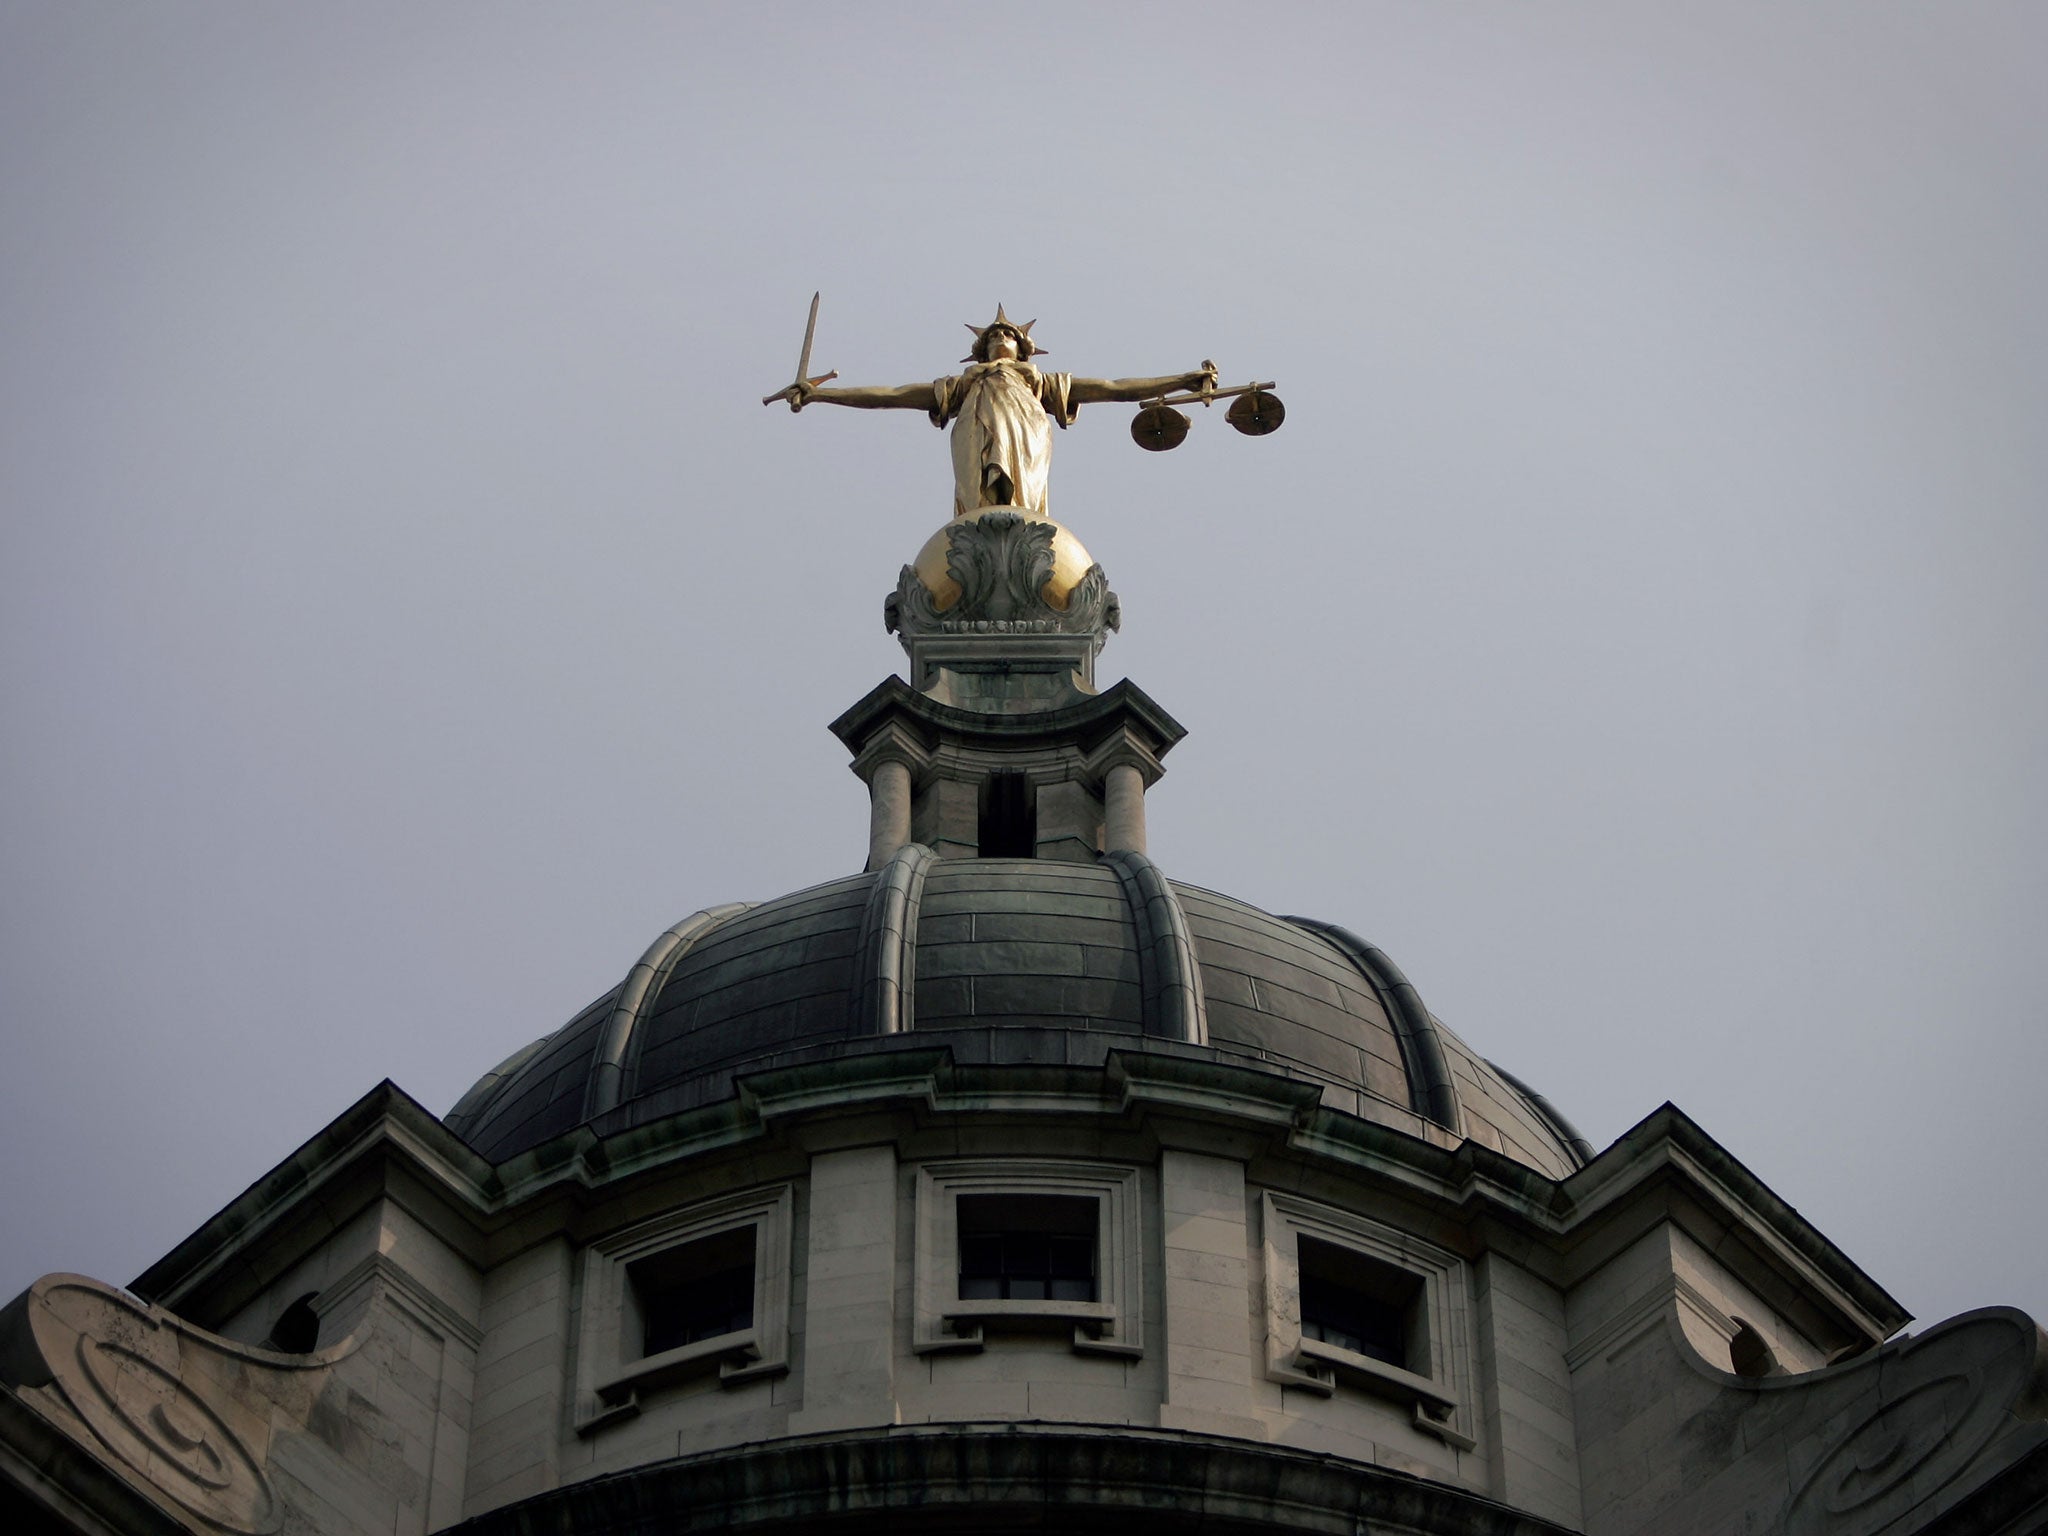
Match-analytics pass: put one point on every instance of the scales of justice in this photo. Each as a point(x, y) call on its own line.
point(1003, 569)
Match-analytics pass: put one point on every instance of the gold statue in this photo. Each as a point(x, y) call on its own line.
point(1002, 407)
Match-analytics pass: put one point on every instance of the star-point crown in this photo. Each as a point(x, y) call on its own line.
point(1002, 322)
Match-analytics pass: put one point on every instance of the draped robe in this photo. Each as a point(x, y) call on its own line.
point(1002, 414)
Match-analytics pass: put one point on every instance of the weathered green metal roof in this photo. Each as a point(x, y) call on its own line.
point(1007, 960)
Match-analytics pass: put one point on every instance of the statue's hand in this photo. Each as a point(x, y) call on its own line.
point(801, 393)
point(1205, 380)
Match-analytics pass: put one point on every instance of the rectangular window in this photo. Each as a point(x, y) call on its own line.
point(698, 1291)
point(1356, 1303)
point(1009, 817)
point(1010, 1245)
point(701, 1290)
point(1027, 1247)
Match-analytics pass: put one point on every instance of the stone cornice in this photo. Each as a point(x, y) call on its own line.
point(385, 1126)
point(1123, 706)
point(1666, 1151)
point(1664, 1169)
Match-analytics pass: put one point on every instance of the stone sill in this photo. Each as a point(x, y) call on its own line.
point(1317, 1366)
point(1094, 1324)
point(737, 1357)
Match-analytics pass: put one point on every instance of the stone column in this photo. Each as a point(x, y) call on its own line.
point(889, 810)
point(1124, 809)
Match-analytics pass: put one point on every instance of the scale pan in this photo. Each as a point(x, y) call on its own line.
point(1158, 428)
point(1256, 414)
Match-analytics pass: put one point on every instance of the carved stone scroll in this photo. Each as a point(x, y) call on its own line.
point(1924, 1414)
point(186, 1414)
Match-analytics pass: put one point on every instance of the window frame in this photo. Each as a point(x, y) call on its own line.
point(1113, 1324)
point(1439, 1391)
point(1081, 1217)
point(611, 1373)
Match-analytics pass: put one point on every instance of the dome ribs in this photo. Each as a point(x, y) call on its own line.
point(1170, 976)
point(1548, 1113)
point(470, 1110)
point(1429, 1074)
point(884, 995)
point(545, 1096)
point(1008, 962)
point(644, 981)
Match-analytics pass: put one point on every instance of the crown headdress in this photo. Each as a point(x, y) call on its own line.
point(1004, 323)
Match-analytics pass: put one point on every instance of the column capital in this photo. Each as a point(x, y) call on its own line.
point(1124, 745)
point(892, 742)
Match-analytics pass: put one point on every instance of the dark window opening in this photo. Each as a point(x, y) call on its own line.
point(696, 1291)
point(1009, 817)
point(297, 1330)
point(1357, 1303)
point(1750, 1352)
point(1027, 1247)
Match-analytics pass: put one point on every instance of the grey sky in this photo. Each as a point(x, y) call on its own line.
point(407, 610)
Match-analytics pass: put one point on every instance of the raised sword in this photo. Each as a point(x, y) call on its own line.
point(793, 393)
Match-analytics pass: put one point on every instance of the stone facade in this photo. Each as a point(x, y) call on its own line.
point(1578, 1370)
point(1009, 1184)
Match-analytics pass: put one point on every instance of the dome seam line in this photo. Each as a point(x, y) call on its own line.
point(610, 1067)
point(1422, 1051)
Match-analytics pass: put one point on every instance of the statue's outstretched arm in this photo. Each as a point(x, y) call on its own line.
point(900, 397)
point(1105, 391)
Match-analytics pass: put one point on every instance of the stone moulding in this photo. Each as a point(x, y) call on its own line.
point(1086, 721)
point(1663, 1167)
point(1014, 1477)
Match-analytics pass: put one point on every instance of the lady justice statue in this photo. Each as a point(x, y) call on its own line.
point(1002, 407)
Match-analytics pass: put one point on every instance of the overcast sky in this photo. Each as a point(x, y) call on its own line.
point(407, 609)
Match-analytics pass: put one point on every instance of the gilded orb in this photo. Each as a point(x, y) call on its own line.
point(1070, 562)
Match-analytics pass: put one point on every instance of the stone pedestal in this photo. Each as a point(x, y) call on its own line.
point(1003, 613)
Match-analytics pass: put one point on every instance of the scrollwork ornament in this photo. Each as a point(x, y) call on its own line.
point(164, 1430)
point(1092, 608)
point(1941, 1401)
point(908, 610)
point(155, 1393)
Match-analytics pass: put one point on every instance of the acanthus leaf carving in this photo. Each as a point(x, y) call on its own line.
point(909, 609)
point(1002, 562)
